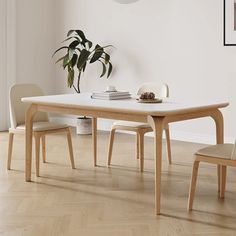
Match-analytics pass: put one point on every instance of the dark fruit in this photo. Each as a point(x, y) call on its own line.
point(147, 95)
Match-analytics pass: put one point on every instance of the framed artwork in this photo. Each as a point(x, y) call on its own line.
point(229, 22)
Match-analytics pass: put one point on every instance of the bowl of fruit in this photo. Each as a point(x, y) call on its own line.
point(148, 97)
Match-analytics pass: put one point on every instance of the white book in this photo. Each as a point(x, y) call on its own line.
point(111, 94)
point(111, 98)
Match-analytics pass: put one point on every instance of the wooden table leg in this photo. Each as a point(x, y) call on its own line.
point(157, 123)
point(28, 142)
point(94, 134)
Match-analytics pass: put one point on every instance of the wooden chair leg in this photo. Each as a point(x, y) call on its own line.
point(70, 148)
point(141, 150)
point(111, 141)
point(137, 146)
point(44, 148)
point(94, 138)
point(223, 181)
point(37, 153)
point(10, 146)
point(167, 132)
point(219, 178)
point(193, 185)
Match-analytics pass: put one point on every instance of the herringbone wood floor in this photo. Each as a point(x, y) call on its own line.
point(116, 201)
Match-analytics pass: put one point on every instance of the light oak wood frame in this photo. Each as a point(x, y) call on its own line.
point(140, 132)
point(157, 121)
point(163, 91)
point(40, 135)
point(222, 170)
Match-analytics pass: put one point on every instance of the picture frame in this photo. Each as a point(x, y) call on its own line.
point(229, 14)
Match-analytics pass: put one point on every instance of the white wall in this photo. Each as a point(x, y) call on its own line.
point(27, 41)
point(176, 41)
point(7, 57)
point(3, 68)
point(35, 43)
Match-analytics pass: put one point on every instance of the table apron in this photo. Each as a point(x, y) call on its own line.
point(212, 113)
point(93, 113)
point(97, 113)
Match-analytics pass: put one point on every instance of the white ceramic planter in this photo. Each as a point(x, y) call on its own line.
point(84, 125)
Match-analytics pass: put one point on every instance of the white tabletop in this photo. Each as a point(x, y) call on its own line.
point(84, 100)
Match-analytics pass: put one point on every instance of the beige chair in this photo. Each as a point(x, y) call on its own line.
point(141, 128)
point(41, 126)
point(222, 155)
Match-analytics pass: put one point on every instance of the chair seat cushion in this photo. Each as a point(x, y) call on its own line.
point(132, 124)
point(219, 151)
point(43, 126)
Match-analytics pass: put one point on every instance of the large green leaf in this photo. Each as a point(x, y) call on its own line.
point(70, 77)
point(109, 70)
point(82, 59)
point(73, 37)
point(68, 58)
point(90, 44)
point(97, 53)
point(104, 69)
point(84, 67)
point(65, 60)
point(64, 47)
point(70, 32)
point(80, 33)
point(78, 49)
point(74, 44)
point(107, 58)
point(108, 46)
point(74, 60)
point(60, 59)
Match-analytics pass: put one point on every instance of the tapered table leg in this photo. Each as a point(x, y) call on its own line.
point(157, 124)
point(28, 142)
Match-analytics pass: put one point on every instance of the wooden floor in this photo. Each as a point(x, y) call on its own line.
point(115, 201)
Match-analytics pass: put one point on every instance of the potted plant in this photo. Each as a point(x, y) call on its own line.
point(79, 53)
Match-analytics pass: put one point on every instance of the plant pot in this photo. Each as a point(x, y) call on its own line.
point(84, 125)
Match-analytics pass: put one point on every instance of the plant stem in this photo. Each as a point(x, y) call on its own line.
point(78, 83)
point(75, 89)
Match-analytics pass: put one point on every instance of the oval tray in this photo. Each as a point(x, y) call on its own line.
point(156, 100)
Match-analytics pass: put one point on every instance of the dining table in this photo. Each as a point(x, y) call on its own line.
point(157, 115)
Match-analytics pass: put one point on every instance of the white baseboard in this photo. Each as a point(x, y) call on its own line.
point(105, 125)
point(197, 137)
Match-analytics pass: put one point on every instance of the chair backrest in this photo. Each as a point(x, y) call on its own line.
point(233, 155)
point(18, 108)
point(160, 90)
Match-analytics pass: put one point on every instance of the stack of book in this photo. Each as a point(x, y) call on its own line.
point(111, 95)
